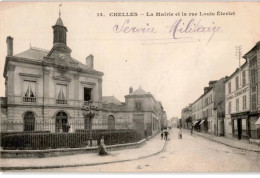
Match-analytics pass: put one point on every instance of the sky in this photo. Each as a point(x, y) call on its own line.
point(171, 63)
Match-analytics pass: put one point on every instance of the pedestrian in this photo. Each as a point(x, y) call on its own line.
point(67, 127)
point(161, 135)
point(102, 147)
point(191, 130)
point(166, 135)
point(180, 134)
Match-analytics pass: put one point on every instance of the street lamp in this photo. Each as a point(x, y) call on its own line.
point(89, 112)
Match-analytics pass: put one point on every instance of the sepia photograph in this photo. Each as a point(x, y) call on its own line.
point(130, 87)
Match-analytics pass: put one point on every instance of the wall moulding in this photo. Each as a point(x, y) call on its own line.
point(30, 75)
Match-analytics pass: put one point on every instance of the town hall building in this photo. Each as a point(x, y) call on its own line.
point(50, 86)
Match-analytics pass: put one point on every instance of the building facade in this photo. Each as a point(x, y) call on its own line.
point(208, 110)
point(139, 108)
point(207, 121)
point(197, 113)
point(186, 117)
point(242, 99)
point(237, 103)
point(50, 86)
point(253, 59)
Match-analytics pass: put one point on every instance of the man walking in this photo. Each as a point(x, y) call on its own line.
point(162, 135)
point(180, 134)
point(191, 130)
point(166, 135)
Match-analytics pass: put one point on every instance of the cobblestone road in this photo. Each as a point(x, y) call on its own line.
point(191, 154)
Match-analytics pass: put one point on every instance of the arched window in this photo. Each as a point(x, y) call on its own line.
point(111, 122)
point(61, 124)
point(29, 121)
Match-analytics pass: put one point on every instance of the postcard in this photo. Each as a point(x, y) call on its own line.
point(160, 87)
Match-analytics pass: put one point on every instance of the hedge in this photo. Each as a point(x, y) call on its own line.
point(80, 138)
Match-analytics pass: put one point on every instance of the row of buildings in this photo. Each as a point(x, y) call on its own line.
point(52, 86)
point(229, 106)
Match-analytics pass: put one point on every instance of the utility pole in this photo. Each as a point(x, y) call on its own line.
point(238, 54)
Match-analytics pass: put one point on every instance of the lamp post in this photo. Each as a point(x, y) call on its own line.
point(89, 112)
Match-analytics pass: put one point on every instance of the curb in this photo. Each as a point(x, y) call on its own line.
point(80, 165)
point(256, 151)
point(66, 151)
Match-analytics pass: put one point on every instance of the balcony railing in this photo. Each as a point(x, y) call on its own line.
point(92, 103)
point(61, 101)
point(29, 99)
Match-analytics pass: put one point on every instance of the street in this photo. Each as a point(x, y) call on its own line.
point(190, 154)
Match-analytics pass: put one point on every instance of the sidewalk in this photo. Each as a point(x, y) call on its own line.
point(151, 147)
point(229, 142)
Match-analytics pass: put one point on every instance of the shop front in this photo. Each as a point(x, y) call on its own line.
point(196, 125)
point(220, 129)
point(240, 125)
point(204, 125)
point(254, 126)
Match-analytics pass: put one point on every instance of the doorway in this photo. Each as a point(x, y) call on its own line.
point(29, 121)
point(111, 122)
point(139, 126)
point(239, 128)
point(61, 122)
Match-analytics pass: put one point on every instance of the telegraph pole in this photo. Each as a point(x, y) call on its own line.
point(238, 54)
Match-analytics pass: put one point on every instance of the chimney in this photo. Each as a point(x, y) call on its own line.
point(206, 89)
point(130, 90)
point(212, 83)
point(90, 61)
point(9, 42)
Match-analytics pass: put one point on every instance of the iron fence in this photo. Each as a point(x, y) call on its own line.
point(61, 127)
point(51, 135)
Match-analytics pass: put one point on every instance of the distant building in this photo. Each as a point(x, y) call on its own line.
point(186, 117)
point(197, 113)
point(162, 115)
point(208, 111)
point(140, 108)
point(173, 121)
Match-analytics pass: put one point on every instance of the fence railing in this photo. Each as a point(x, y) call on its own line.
point(61, 126)
point(51, 135)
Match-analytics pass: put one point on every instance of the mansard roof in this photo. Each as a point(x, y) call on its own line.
point(140, 93)
point(33, 53)
point(39, 54)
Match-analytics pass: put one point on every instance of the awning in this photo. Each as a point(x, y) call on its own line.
point(194, 123)
point(202, 122)
point(258, 121)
